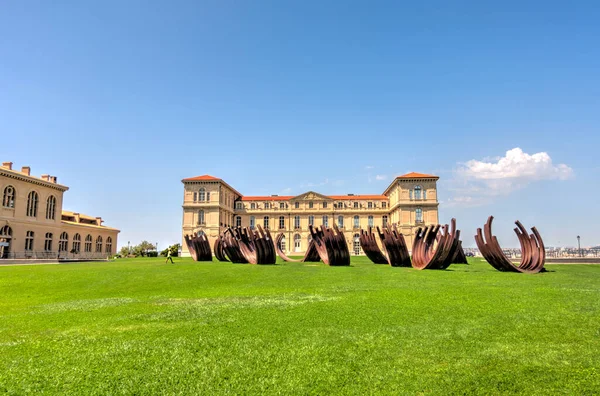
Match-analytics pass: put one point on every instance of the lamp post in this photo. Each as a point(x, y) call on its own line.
point(579, 244)
point(128, 248)
point(157, 249)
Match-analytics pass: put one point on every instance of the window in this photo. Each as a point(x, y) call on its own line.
point(297, 205)
point(252, 205)
point(32, 204)
point(356, 244)
point(297, 222)
point(370, 205)
point(88, 244)
point(51, 207)
point(77, 243)
point(355, 205)
point(109, 245)
point(201, 194)
point(48, 242)
point(325, 221)
point(281, 222)
point(99, 244)
point(419, 215)
point(340, 221)
point(341, 205)
point(356, 222)
point(63, 242)
point(266, 222)
point(384, 221)
point(418, 192)
point(424, 194)
point(252, 222)
point(207, 196)
point(238, 221)
point(8, 199)
point(200, 217)
point(384, 205)
point(370, 221)
point(239, 205)
point(297, 243)
point(267, 205)
point(29, 241)
point(310, 205)
point(281, 205)
point(324, 205)
point(195, 196)
point(311, 220)
point(282, 244)
point(410, 194)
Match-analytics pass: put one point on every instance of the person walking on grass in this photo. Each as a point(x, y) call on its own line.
point(169, 256)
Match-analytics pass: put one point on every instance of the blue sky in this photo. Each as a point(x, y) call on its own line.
point(123, 99)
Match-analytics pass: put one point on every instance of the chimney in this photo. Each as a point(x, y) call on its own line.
point(26, 170)
point(7, 165)
point(76, 215)
point(98, 221)
point(53, 179)
point(46, 177)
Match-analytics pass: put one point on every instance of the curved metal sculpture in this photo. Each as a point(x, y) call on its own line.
point(459, 255)
point(331, 245)
point(256, 246)
point(533, 252)
point(395, 251)
point(311, 255)
point(231, 247)
point(198, 246)
point(219, 249)
point(425, 256)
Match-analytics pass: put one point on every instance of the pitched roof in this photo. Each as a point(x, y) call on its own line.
point(203, 177)
point(415, 175)
point(334, 197)
point(355, 197)
point(267, 198)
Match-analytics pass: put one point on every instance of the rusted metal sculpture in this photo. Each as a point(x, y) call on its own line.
point(311, 255)
point(198, 246)
point(231, 247)
point(424, 256)
point(533, 252)
point(331, 245)
point(395, 251)
point(459, 255)
point(219, 249)
point(256, 246)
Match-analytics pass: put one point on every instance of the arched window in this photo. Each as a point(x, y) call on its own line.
point(356, 221)
point(252, 205)
point(108, 245)
point(340, 221)
point(252, 222)
point(417, 192)
point(281, 222)
point(76, 243)
point(370, 219)
point(326, 221)
point(6, 237)
point(201, 194)
point(297, 243)
point(356, 244)
point(384, 221)
point(29, 241)
point(48, 242)
point(51, 207)
point(296, 222)
point(238, 221)
point(419, 215)
point(63, 242)
point(282, 244)
point(32, 204)
point(266, 222)
point(311, 220)
point(88, 243)
point(8, 198)
point(200, 217)
point(99, 244)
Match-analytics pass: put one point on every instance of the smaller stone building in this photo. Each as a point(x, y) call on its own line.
point(34, 226)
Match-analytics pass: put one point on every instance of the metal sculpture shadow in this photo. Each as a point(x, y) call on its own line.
point(198, 246)
point(533, 252)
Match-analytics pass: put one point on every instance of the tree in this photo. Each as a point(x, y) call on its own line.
point(124, 251)
point(174, 250)
point(142, 248)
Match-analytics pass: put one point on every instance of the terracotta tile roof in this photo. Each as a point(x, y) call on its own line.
point(267, 198)
point(203, 177)
point(415, 175)
point(355, 197)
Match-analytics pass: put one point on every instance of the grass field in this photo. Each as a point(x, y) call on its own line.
point(138, 326)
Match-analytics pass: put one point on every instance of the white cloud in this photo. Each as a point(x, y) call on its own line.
point(380, 177)
point(478, 182)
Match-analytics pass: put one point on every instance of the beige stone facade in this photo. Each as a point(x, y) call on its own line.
point(34, 226)
point(211, 205)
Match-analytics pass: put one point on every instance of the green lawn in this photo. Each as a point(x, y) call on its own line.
point(139, 326)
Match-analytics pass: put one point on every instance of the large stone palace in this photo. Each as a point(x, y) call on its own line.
point(211, 205)
point(33, 224)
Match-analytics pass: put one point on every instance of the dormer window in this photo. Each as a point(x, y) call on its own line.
point(281, 205)
point(252, 205)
